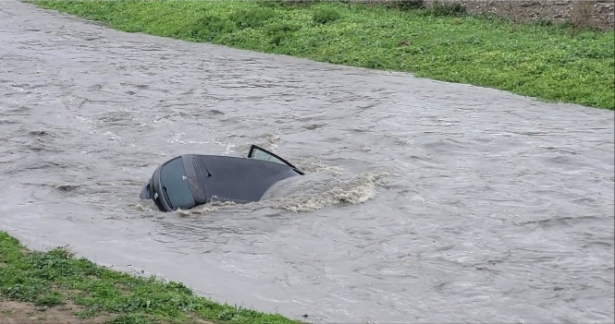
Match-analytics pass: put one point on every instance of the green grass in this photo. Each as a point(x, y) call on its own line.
point(51, 279)
point(554, 63)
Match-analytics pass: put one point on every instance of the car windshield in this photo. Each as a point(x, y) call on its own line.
point(175, 184)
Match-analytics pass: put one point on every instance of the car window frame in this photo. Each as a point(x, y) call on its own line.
point(256, 147)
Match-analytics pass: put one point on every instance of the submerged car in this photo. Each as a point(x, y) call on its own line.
point(190, 180)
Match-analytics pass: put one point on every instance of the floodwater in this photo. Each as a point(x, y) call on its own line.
point(424, 201)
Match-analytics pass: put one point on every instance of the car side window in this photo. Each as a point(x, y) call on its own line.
point(259, 154)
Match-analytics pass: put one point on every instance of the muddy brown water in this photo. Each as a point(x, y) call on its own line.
point(424, 201)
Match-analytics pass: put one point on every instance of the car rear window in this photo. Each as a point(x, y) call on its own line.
point(173, 179)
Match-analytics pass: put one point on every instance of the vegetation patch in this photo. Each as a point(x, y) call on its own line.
point(548, 61)
point(56, 286)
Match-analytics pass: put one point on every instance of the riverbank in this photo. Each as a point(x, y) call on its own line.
point(56, 287)
point(550, 62)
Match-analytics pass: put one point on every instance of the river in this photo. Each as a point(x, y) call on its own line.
point(424, 201)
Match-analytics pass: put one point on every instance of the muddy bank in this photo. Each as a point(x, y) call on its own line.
point(594, 13)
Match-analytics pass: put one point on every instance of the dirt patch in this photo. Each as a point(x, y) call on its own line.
point(12, 312)
point(581, 13)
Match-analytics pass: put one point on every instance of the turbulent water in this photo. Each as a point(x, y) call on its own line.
point(424, 201)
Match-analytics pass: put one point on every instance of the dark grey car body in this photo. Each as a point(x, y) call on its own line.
point(190, 180)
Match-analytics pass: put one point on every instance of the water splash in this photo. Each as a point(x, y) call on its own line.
point(317, 191)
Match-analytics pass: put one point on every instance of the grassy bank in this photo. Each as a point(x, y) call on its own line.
point(54, 287)
point(555, 63)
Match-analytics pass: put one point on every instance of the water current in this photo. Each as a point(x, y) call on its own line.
point(424, 201)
